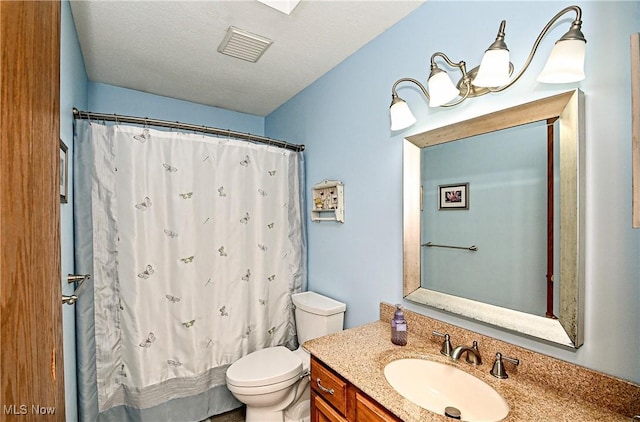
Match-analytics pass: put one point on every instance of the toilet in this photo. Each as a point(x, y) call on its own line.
point(274, 382)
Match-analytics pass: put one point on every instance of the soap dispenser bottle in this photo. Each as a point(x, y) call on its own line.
point(399, 327)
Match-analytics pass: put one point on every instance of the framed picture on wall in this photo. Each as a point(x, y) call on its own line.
point(64, 173)
point(453, 197)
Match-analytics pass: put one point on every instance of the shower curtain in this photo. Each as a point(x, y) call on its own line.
point(195, 245)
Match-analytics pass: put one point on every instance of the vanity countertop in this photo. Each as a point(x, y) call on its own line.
point(360, 354)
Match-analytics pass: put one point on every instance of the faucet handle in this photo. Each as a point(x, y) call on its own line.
point(498, 370)
point(477, 359)
point(447, 348)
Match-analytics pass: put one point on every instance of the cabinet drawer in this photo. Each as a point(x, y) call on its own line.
point(329, 386)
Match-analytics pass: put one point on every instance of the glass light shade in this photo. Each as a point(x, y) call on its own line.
point(565, 63)
point(494, 69)
point(401, 116)
point(441, 89)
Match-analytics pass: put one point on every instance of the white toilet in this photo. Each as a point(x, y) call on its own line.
point(274, 382)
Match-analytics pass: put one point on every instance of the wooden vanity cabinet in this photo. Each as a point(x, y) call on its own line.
point(333, 399)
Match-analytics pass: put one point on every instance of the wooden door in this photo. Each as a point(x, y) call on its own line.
point(31, 372)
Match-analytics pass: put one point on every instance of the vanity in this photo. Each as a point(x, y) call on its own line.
point(541, 388)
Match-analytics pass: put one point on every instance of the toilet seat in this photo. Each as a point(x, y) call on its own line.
point(265, 367)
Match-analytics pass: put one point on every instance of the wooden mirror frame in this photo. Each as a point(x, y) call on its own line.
point(568, 329)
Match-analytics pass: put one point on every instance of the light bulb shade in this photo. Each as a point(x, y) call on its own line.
point(565, 63)
point(494, 69)
point(401, 116)
point(441, 89)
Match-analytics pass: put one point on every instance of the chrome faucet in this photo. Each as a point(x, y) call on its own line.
point(473, 354)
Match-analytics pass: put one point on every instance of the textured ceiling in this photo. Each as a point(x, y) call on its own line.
point(169, 48)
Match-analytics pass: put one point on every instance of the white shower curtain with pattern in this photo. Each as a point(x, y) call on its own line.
point(195, 244)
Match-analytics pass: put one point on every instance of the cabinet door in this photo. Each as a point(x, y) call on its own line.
point(321, 411)
point(369, 411)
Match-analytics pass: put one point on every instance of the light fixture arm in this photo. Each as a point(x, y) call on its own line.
point(460, 65)
point(394, 94)
point(573, 34)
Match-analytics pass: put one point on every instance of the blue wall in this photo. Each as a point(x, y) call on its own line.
point(111, 99)
point(73, 93)
point(343, 120)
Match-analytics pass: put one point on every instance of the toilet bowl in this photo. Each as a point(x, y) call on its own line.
point(273, 382)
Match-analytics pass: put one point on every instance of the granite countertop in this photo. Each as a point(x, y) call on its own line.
point(360, 354)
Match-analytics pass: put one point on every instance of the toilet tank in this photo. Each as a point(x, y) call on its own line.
point(317, 315)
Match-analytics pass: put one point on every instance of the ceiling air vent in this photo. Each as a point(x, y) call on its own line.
point(243, 45)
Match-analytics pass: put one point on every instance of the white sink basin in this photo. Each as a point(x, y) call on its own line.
point(436, 386)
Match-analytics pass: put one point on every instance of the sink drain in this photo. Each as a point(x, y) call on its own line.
point(452, 412)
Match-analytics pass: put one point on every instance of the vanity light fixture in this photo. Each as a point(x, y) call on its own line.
point(564, 65)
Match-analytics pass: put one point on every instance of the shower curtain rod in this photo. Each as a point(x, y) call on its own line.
point(88, 115)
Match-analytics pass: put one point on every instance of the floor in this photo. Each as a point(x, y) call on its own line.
point(236, 415)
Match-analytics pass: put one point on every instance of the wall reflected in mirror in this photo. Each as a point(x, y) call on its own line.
point(505, 218)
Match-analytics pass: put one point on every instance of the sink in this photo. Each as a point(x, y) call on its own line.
point(436, 387)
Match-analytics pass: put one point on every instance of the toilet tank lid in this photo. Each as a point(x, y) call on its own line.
point(315, 303)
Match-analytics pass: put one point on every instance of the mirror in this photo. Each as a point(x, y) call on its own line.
point(559, 117)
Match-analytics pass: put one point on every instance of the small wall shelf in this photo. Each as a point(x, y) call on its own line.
point(327, 202)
